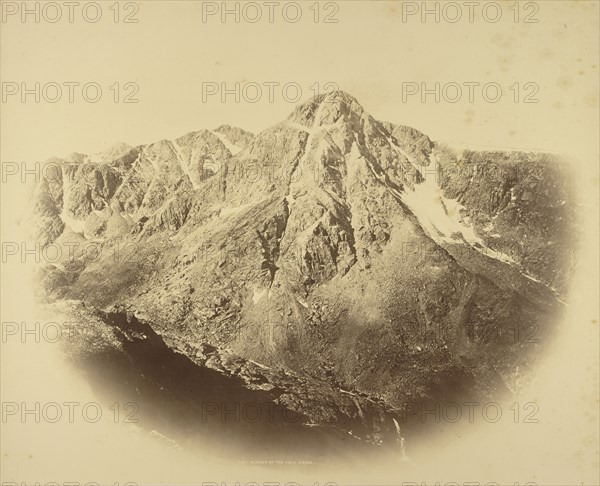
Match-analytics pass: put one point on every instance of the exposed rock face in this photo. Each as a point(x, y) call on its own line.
point(520, 204)
point(116, 346)
point(354, 252)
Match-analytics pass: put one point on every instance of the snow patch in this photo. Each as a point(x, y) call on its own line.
point(439, 216)
point(302, 302)
point(442, 218)
point(75, 225)
point(260, 365)
point(185, 167)
point(531, 278)
point(258, 295)
point(152, 160)
point(234, 149)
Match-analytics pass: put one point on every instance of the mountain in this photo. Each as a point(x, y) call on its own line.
point(357, 255)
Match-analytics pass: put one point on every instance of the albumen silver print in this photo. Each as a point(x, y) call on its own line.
point(299, 243)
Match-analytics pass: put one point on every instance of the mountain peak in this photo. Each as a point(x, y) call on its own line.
point(326, 108)
point(341, 98)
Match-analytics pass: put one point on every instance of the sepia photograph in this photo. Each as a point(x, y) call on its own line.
point(289, 243)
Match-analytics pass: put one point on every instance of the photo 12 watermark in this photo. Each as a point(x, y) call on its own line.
point(264, 91)
point(68, 412)
point(69, 92)
point(38, 332)
point(518, 12)
point(66, 483)
point(123, 12)
point(318, 12)
point(469, 91)
point(268, 483)
point(64, 253)
point(247, 412)
point(471, 412)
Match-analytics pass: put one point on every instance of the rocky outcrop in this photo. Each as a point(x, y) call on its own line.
point(521, 204)
point(218, 392)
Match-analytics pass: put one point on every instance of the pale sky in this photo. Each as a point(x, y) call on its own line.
point(370, 53)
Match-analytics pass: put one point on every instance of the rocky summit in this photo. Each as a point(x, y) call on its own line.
point(341, 265)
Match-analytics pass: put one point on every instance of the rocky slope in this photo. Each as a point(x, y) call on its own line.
point(347, 251)
point(203, 393)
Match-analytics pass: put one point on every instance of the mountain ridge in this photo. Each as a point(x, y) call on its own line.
point(331, 244)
